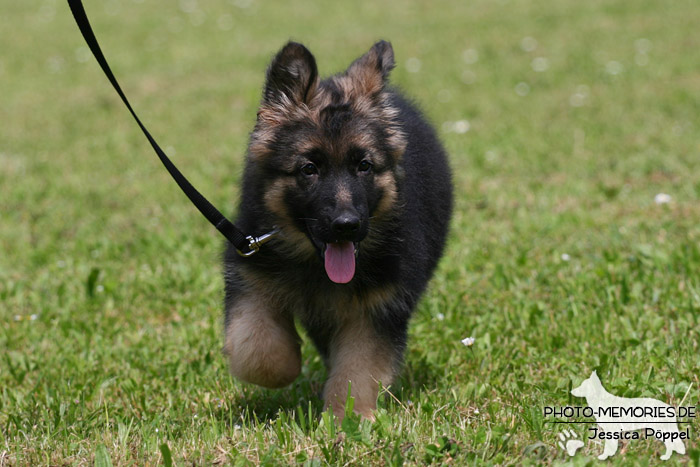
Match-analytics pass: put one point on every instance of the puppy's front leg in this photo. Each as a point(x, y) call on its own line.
point(361, 357)
point(262, 343)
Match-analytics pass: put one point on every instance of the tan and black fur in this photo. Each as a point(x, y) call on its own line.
point(345, 159)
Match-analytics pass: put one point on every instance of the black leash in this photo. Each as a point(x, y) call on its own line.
point(246, 245)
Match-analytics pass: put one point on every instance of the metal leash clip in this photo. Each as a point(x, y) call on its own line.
point(254, 243)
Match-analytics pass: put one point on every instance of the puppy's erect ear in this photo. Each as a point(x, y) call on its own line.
point(292, 76)
point(371, 71)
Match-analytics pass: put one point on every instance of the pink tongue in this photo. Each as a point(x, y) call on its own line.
point(340, 262)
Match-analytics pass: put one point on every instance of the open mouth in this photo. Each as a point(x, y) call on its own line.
point(339, 261)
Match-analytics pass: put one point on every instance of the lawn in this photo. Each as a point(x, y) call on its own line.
point(565, 122)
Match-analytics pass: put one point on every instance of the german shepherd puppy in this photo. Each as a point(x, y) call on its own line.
point(360, 189)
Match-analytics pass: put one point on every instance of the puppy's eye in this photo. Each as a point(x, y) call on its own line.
point(364, 166)
point(309, 169)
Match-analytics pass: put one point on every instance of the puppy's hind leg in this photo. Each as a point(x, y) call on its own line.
point(262, 343)
point(609, 449)
point(675, 445)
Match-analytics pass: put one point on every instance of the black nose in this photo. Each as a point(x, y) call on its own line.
point(346, 225)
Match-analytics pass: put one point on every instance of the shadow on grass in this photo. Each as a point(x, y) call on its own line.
point(264, 405)
point(418, 373)
point(253, 405)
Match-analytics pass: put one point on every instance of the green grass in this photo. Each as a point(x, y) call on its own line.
point(559, 260)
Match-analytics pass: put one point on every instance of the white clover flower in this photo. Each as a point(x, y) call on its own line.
point(614, 67)
point(461, 126)
point(413, 65)
point(528, 44)
point(522, 89)
point(662, 198)
point(468, 341)
point(470, 56)
point(540, 64)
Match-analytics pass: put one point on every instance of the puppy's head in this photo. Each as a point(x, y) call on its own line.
point(328, 152)
point(588, 387)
